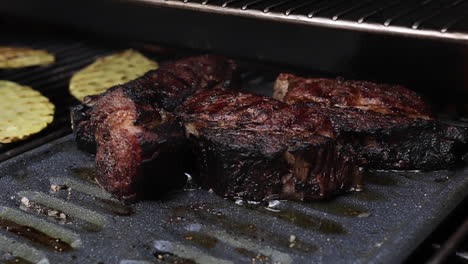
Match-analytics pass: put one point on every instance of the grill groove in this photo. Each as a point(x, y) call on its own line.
point(92, 190)
point(43, 226)
point(237, 242)
point(52, 81)
point(22, 251)
point(65, 207)
point(187, 252)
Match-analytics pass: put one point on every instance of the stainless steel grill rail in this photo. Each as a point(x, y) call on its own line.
point(438, 19)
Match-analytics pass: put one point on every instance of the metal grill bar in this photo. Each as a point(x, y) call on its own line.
point(435, 13)
point(64, 51)
point(325, 7)
point(376, 11)
point(417, 18)
point(455, 21)
point(425, 12)
point(52, 81)
point(408, 11)
point(350, 9)
point(64, 65)
point(246, 6)
point(298, 7)
point(268, 8)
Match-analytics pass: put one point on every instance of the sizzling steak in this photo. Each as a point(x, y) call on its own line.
point(380, 98)
point(171, 85)
point(140, 145)
point(256, 148)
point(392, 142)
point(383, 135)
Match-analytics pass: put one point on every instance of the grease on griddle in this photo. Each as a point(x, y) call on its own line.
point(299, 218)
point(35, 235)
point(15, 260)
point(106, 206)
point(339, 208)
point(21, 175)
point(441, 179)
point(201, 239)
point(166, 257)
point(90, 227)
point(367, 195)
point(255, 257)
point(383, 180)
point(206, 212)
point(303, 220)
point(117, 207)
point(87, 174)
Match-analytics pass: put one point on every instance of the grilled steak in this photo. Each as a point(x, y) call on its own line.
point(380, 98)
point(392, 142)
point(256, 148)
point(140, 146)
point(171, 85)
point(383, 135)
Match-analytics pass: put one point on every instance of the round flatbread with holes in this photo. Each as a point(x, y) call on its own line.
point(18, 57)
point(109, 71)
point(23, 112)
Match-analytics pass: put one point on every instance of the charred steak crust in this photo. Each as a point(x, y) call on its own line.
point(254, 147)
point(140, 145)
point(382, 136)
point(80, 121)
point(179, 80)
point(390, 142)
point(171, 85)
point(380, 98)
point(134, 142)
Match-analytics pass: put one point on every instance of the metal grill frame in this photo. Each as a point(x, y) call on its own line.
point(442, 31)
point(427, 60)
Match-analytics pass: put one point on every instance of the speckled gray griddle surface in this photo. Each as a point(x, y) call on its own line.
point(381, 225)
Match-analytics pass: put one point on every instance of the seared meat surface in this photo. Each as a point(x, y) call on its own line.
point(140, 145)
point(171, 85)
point(383, 135)
point(256, 148)
point(81, 124)
point(380, 98)
point(147, 133)
point(395, 143)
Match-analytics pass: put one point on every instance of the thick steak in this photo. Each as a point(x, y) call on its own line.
point(171, 85)
point(256, 148)
point(388, 127)
point(140, 145)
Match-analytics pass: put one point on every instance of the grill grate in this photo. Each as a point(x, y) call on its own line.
point(445, 19)
point(52, 81)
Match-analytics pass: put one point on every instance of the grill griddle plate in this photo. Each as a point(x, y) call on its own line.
point(381, 225)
